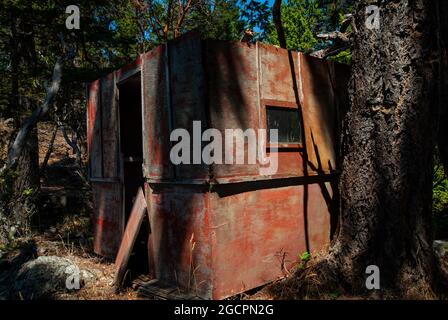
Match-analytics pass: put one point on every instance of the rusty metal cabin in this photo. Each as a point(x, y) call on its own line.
point(220, 229)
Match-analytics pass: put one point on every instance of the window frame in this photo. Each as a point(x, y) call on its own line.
point(266, 103)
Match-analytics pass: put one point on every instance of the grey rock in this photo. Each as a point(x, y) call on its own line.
point(45, 276)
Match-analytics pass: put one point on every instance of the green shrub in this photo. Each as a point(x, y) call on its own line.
point(440, 202)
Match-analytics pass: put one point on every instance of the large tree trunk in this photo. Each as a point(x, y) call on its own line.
point(388, 138)
point(442, 138)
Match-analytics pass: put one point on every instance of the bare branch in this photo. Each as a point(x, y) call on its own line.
point(348, 20)
point(73, 143)
point(335, 35)
point(184, 11)
point(330, 51)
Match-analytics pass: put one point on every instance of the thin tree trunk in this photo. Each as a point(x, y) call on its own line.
point(277, 17)
point(49, 150)
point(386, 179)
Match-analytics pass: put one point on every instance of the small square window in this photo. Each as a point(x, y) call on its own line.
point(287, 122)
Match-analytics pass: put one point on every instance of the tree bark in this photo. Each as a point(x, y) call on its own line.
point(25, 186)
point(442, 138)
point(277, 17)
point(388, 137)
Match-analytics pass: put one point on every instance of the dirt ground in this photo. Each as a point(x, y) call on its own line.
point(101, 287)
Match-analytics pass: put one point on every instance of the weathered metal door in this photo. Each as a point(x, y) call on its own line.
point(104, 165)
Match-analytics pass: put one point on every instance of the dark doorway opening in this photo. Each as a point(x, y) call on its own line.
point(131, 139)
point(131, 152)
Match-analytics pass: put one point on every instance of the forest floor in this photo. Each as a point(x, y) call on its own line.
point(66, 230)
point(62, 228)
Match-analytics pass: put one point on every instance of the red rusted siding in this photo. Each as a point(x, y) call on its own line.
point(232, 91)
point(265, 223)
point(108, 222)
point(244, 236)
point(94, 130)
point(180, 248)
point(223, 229)
point(276, 79)
point(187, 95)
point(109, 113)
point(319, 112)
point(156, 116)
point(128, 70)
point(105, 162)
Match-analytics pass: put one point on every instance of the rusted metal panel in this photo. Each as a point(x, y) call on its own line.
point(128, 70)
point(260, 232)
point(187, 95)
point(130, 235)
point(106, 185)
point(108, 219)
point(319, 215)
point(180, 246)
point(280, 86)
point(257, 229)
point(255, 235)
point(232, 86)
point(319, 114)
point(277, 74)
point(94, 143)
point(156, 115)
point(109, 112)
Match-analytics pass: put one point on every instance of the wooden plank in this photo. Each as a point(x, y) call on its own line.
point(159, 290)
point(129, 237)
